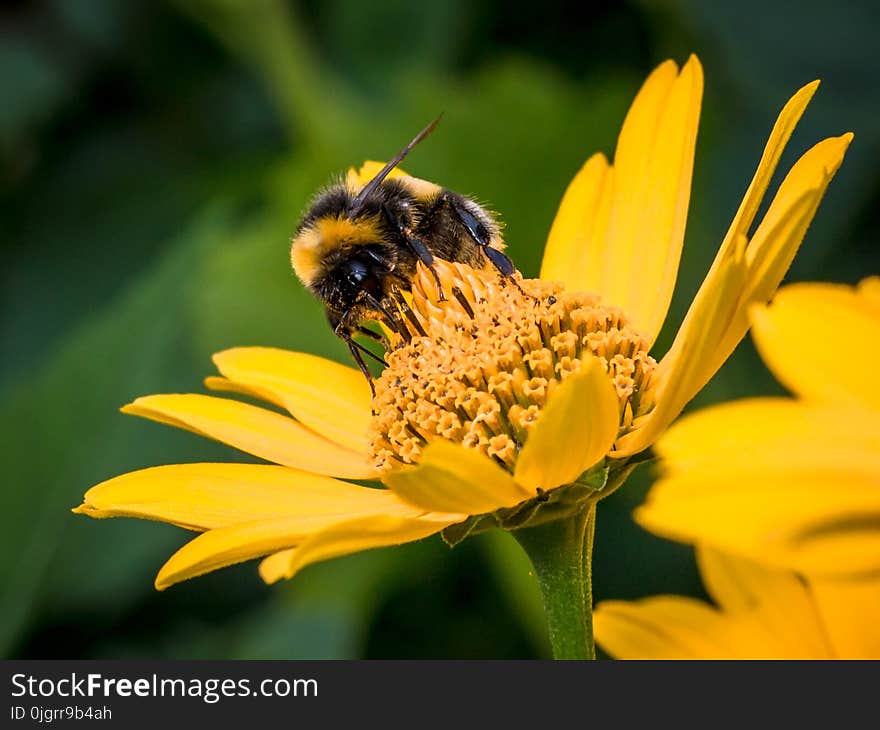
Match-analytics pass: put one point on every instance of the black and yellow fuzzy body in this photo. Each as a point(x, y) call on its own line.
point(352, 260)
point(357, 247)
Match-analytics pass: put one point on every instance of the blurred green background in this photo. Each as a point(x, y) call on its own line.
point(155, 159)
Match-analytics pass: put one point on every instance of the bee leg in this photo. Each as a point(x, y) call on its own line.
point(357, 352)
point(421, 251)
point(477, 231)
point(353, 347)
point(403, 305)
point(427, 258)
point(391, 316)
point(343, 330)
point(462, 300)
point(369, 353)
point(374, 336)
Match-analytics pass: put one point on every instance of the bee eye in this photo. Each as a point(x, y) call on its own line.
point(362, 276)
point(356, 271)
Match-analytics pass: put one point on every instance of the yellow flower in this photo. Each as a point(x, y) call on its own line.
point(506, 403)
point(761, 613)
point(790, 482)
point(250, 510)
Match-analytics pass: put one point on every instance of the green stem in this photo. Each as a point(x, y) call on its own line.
point(561, 553)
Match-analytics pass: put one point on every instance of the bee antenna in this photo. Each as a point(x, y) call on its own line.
point(392, 163)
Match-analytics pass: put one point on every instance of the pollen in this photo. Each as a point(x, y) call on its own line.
point(477, 364)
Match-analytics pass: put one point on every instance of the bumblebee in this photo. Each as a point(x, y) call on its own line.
point(357, 249)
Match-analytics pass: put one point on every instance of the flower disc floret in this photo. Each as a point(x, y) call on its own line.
point(477, 364)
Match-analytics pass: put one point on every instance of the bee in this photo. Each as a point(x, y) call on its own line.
point(357, 249)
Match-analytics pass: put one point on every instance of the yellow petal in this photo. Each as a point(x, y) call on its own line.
point(718, 317)
point(768, 256)
point(849, 610)
point(331, 399)
point(207, 496)
point(672, 627)
point(226, 546)
point(766, 435)
point(869, 294)
point(652, 185)
point(351, 537)
point(779, 136)
point(230, 545)
point(682, 372)
point(779, 599)
point(576, 244)
point(779, 236)
point(573, 432)
point(794, 336)
point(274, 567)
point(787, 483)
point(224, 385)
point(787, 236)
point(619, 231)
point(745, 215)
point(701, 346)
point(452, 478)
point(254, 430)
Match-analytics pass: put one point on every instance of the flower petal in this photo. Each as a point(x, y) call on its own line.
point(779, 236)
point(779, 599)
point(274, 567)
point(869, 293)
point(792, 335)
point(673, 627)
point(254, 430)
point(619, 231)
point(787, 483)
point(681, 374)
point(574, 430)
point(705, 342)
point(227, 546)
point(745, 215)
point(765, 435)
point(208, 496)
point(238, 543)
point(849, 610)
point(576, 244)
point(224, 385)
point(779, 136)
point(452, 478)
point(354, 536)
point(653, 166)
point(718, 316)
point(331, 399)
point(770, 255)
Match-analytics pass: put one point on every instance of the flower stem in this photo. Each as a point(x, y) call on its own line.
point(561, 553)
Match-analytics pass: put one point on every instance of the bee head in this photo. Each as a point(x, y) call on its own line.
point(328, 232)
point(353, 282)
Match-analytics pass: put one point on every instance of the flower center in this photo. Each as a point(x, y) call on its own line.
point(477, 365)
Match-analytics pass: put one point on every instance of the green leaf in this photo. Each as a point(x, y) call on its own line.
point(454, 534)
